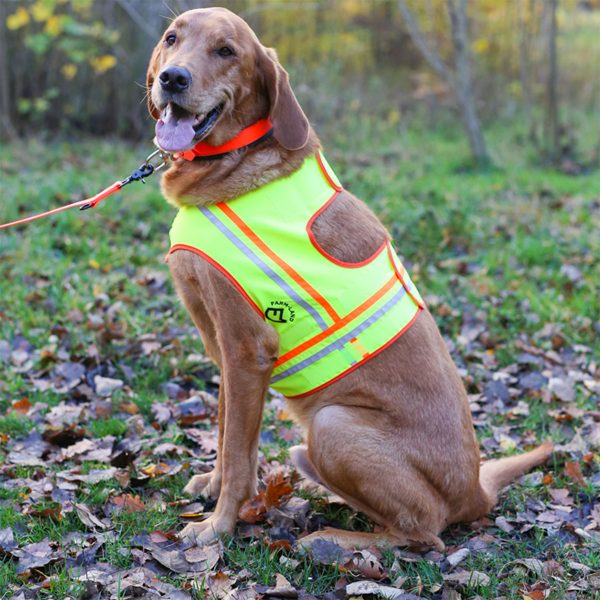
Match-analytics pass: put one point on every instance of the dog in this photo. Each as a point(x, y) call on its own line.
point(392, 435)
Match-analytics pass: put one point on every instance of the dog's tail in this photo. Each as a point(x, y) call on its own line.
point(493, 476)
point(496, 474)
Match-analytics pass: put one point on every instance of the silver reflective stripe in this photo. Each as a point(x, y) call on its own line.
point(264, 267)
point(338, 344)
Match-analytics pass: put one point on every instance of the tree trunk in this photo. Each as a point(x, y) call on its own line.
point(7, 129)
point(464, 81)
point(460, 82)
point(552, 115)
point(525, 63)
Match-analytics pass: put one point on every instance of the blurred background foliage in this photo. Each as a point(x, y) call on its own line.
point(77, 66)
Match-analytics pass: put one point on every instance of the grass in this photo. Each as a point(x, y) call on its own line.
point(496, 240)
point(103, 427)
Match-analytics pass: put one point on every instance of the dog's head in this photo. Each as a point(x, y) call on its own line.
point(210, 75)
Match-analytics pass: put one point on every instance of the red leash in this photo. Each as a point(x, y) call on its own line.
point(143, 171)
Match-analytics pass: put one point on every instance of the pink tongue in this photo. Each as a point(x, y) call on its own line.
point(175, 132)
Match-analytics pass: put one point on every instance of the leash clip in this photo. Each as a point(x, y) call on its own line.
point(162, 160)
point(149, 166)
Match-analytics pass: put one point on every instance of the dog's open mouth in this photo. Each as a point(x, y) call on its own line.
point(178, 129)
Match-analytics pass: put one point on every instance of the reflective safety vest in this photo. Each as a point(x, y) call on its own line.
point(331, 316)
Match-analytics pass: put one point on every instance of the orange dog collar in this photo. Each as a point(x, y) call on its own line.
point(249, 136)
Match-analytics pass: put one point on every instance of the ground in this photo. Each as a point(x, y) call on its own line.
point(107, 403)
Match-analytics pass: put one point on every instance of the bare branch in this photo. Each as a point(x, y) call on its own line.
point(137, 19)
point(419, 40)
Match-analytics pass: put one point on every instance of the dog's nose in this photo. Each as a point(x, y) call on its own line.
point(175, 79)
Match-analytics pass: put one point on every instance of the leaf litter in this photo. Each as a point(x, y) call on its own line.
point(65, 461)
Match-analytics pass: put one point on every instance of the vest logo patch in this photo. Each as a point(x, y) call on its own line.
point(280, 311)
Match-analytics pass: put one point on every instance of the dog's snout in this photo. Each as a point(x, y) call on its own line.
point(175, 79)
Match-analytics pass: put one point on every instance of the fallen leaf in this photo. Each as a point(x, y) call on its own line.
point(503, 524)
point(467, 578)
point(106, 386)
point(157, 469)
point(21, 406)
point(88, 518)
point(562, 389)
point(7, 540)
point(131, 408)
point(457, 557)
point(282, 588)
point(128, 503)
point(561, 496)
point(34, 556)
point(277, 488)
point(92, 477)
point(573, 471)
point(534, 565)
point(54, 513)
point(367, 564)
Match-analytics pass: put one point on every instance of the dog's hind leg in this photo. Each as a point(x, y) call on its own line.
point(369, 467)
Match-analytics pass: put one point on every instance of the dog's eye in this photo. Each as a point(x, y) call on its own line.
point(170, 39)
point(225, 51)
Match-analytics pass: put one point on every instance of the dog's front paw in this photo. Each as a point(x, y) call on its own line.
point(205, 484)
point(206, 532)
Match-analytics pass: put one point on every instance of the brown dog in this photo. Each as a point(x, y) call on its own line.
point(394, 437)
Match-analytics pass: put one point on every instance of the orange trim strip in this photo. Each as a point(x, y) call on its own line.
point(227, 274)
point(333, 184)
point(338, 325)
point(358, 364)
point(401, 279)
point(340, 263)
point(309, 289)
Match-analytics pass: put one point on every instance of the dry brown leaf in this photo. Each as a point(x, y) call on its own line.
point(468, 578)
point(534, 595)
point(88, 518)
point(219, 584)
point(22, 406)
point(129, 503)
point(163, 536)
point(278, 486)
point(131, 408)
point(54, 513)
point(548, 479)
point(573, 471)
point(157, 469)
point(367, 564)
point(253, 510)
point(282, 588)
point(561, 496)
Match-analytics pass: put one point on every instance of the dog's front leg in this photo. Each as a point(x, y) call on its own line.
point(248, 359)
point(209, 484)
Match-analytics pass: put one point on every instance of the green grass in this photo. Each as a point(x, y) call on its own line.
point(103, 427)
point(15, 425)
point(494, 239)
point(265, 564)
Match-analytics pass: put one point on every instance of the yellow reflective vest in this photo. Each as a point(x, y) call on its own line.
point(331, 316)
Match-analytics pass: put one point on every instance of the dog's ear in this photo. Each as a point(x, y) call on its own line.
point(290, 125)
point(150, 75)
